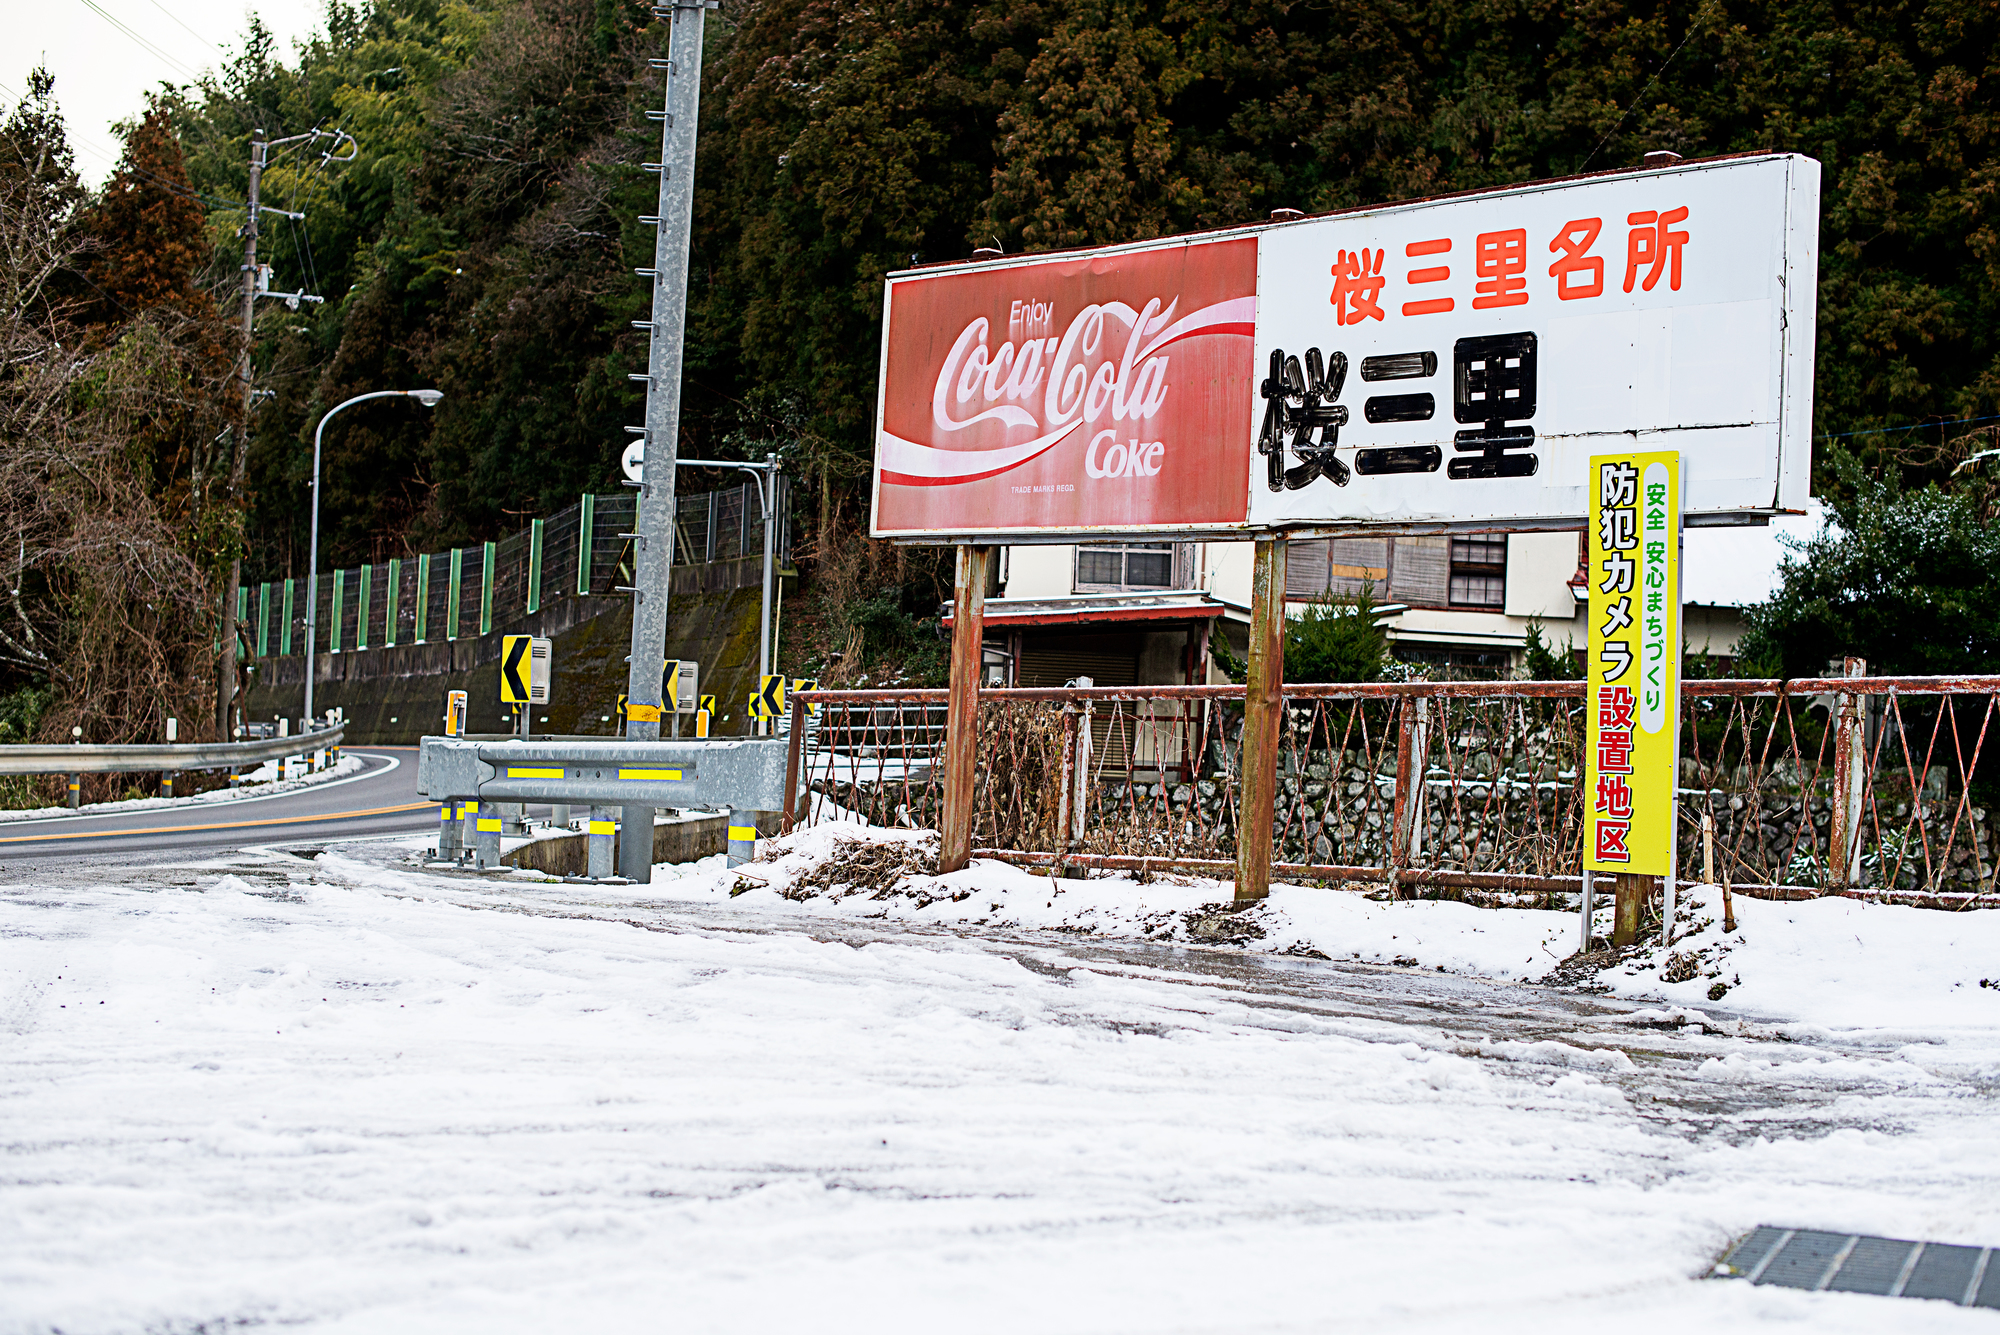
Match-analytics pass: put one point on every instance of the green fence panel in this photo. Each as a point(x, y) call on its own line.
point(423, 594)
point(339, 592)
point(361, 609)
point(487, 565)
point(535, 565)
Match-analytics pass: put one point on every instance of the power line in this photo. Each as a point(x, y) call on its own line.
point(184, 27)
point(156, 52)
point(1693, 28)
point(1915, 426)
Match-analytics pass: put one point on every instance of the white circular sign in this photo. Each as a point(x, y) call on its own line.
point(634, 460)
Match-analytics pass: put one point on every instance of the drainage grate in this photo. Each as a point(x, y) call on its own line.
point(1804, 1258)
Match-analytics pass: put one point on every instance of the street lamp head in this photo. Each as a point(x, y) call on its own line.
point(428, 397)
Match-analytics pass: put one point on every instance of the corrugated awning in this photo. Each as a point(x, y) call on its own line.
point(1085, 609)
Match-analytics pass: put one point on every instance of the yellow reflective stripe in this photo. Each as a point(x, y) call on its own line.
point(604, 827)
point(738, 833)
point(649, 774)
point(489, 827)
point(642, 713)
point(534, 772)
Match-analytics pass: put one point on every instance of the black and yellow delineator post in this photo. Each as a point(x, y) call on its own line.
point(742, 837)
point(455, 704)
point(701, 723)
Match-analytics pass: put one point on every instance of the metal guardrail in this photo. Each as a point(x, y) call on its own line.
point(635, 777)
point(168, 757)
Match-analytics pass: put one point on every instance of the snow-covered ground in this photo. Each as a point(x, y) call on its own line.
point(348, 1096)
point(1829, 963)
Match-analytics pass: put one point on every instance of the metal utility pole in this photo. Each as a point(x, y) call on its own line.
point(225, 687)
point(255, 284)
point(653, 561)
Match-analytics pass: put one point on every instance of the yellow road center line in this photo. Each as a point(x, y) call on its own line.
point(224, 825)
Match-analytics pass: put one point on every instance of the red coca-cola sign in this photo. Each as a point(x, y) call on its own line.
point(1108, 391)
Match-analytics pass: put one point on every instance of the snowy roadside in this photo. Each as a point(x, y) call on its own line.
point(342, 1097)
point(263, 782)
point(1839, 963)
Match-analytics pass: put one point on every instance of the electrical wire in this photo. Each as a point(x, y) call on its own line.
point(157, 52)
point(184, 27)
point(1915, 426)
point(1693, 28)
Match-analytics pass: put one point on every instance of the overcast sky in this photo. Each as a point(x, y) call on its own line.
point(105, 54)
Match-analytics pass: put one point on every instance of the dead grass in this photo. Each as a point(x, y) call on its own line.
point(866, 866)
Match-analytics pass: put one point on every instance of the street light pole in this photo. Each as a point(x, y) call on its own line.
point(766, 474)
point(429, 398)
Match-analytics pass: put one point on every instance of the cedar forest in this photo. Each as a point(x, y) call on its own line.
point(485, 239)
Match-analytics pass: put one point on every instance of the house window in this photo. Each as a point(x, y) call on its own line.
point(1479, 571)
point(1131, 565)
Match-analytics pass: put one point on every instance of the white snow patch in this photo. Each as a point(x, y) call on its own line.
point(1903, 974)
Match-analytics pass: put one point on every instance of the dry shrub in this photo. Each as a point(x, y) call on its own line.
point(867, 866)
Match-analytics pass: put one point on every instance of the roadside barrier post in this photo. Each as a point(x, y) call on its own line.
point(1263, 714)
point(174, 730)
point(742, 836)
point(486, 837)
point(448, 841)
point(559, 815)
point(603, 830)
point(961, 740)
point(635, 845)
point(76, 792)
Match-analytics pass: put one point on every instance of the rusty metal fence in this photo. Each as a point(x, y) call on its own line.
point(1789, 789)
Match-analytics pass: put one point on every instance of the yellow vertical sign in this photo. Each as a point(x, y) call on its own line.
point(1633, 711)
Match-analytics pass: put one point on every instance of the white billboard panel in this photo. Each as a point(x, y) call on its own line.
point(1458, 361)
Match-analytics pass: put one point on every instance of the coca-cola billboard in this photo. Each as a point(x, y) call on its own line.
point(1109, 391)
point(1444, 363)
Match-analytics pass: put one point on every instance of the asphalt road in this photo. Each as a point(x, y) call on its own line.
point(381, 800)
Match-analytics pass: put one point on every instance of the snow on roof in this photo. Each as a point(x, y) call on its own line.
point(1738, 567)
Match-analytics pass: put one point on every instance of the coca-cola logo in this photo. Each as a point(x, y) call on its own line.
point(1107, 366)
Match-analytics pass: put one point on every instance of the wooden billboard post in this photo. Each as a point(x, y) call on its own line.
point(961, 737)
point(1263, 715)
